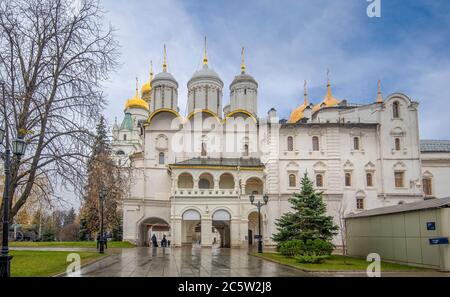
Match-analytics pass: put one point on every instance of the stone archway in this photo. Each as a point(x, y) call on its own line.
point(191, 227)
point(153, 225)
point(221, 221)
point(253, 228)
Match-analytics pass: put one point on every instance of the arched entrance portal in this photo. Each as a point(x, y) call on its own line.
point(253, 230)
point(221, 226)
point(191, 228)
point(151, 226)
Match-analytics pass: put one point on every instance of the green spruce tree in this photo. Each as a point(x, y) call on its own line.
point(308, 221)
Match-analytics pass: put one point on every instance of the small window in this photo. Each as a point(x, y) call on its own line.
point(162, 159)
point(369, 179)
point(399, 179)
point(395, 110)
point(319, 180)
point(290, 143)
point(120, 153)
point(397, 144)
point(356, 143)
point(315, 143)
point(359, 203)
point(245, 91)
point(348, 180)
point(124, 137)
point(204, 150)
point(246, 150)
point(427, 190)
point(292, 181)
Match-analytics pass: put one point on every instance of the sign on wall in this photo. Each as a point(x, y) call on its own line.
point(431, 226)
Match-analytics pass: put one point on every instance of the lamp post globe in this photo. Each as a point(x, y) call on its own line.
point(18, 147)
point(252, 198)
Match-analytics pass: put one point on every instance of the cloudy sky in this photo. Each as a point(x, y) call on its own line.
point(288, 42)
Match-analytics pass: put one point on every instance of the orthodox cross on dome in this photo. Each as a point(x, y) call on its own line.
point(205, 54)
point(137, 87)
point(329, 94)
point(165, 60)
point(305, 93)
point(379, 96)
point(151, 71)
point(243, 60)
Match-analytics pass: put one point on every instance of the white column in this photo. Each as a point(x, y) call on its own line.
point(176, 232)
point(235, 233)
point(206, 236)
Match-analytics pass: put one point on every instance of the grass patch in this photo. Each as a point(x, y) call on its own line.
point(44, 263)
point(78, 244)
point(336, 263)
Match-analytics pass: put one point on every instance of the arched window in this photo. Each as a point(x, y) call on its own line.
point(369, 179)
point(397, 144)
point(292, 181)
point(356, 143)
point(395, 110)
point(120, 153)
point(399, 179)
point(348, 179)
point(359, 203)
point(204, 151)
point(319, 180)
point(315, 143)
point(245, 150)
point(290, 143)
point(124, 137)
point(162, 159)
point(427, 189)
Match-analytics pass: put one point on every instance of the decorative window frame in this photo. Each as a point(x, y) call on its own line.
point(360, 195)
point(400, 167)
point(428, 175)
point(370, 168)
point(316, 131)
point(292, 168)
point(348, 169)
point(320, 168)
point(399, 133)
point(356, 132)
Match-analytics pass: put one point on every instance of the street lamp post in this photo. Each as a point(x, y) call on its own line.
point(18, 148)
point(259, 205)
point(101, 238)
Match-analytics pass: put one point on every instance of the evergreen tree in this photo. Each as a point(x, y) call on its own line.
point(102, 172)
point(309, 219)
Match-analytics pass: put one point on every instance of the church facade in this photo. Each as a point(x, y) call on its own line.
point(191, 178)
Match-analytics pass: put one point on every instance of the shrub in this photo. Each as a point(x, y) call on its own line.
point(319, 247)
point(291, 248)
point(311, 258)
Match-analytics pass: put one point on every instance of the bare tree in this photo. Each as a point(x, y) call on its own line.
point(341, 212)
point(54, 57)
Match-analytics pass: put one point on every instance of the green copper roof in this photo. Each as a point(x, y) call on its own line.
point(127, 123)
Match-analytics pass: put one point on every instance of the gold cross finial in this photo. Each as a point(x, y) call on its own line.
point(305, 93)
point(151, 70)
point(165, 59)
point(243, 60)
point(205, 54)
point(137, 87)
point(328, 76)
point(379, 96)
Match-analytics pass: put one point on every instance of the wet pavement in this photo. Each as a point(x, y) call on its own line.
point(187, 262)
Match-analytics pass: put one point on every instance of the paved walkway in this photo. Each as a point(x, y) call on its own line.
point(186, 262)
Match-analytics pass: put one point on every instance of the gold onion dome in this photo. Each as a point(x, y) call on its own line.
point(329, 100)
point(147, 87)
point(297, 114)
point(136, 101)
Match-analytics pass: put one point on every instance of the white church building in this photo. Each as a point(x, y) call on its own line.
point(191, 177)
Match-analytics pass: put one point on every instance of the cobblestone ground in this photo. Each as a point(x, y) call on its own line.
point(186, 262)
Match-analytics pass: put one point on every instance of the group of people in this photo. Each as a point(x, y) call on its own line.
point(164, 241)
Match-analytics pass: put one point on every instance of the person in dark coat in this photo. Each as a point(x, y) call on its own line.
point(154, 241)
point(164, 241)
